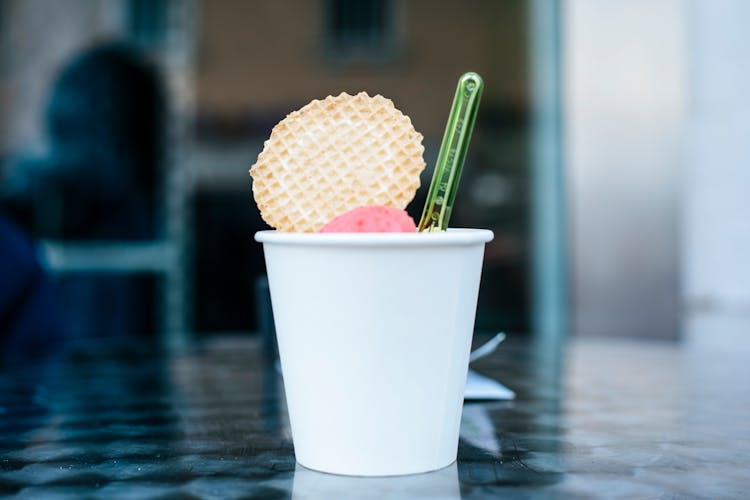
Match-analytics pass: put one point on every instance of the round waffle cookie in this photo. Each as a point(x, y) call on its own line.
point(335, 155)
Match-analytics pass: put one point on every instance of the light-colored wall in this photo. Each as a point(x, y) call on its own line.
point(260, 56)
point(625, 97)
point(716, 199)
point(36, 38)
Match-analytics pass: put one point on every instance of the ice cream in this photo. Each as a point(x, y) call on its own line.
point(371, 219)
point(350, 307)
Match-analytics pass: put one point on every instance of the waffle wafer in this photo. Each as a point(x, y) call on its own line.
point(335, 155)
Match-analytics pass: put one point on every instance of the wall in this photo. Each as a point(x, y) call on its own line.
point(42, 36)
point(257, 56)
point(716, 198)
point(625, 94)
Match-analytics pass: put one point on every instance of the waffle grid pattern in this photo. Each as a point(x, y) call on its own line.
point(334, 155)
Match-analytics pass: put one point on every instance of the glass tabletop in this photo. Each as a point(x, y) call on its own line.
point(593, 418)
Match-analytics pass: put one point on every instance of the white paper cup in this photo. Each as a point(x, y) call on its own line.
point(374, 332)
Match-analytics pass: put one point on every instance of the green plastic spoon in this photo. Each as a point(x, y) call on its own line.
point(450, 162)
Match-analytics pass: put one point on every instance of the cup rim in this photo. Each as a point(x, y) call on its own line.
point(451, 237)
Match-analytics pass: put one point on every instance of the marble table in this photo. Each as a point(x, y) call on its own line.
point(592, 419)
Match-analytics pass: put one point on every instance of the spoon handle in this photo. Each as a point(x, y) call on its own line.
point(450, 162)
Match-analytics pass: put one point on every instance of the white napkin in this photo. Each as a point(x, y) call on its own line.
point(481, 387)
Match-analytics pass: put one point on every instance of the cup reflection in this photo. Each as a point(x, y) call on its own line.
point(440, 484)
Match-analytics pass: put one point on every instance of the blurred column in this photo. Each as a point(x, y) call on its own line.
point(177, 53)
point(549, 283)
point(624, 93)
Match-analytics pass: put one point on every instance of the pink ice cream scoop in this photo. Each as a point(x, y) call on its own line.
point(372, 219)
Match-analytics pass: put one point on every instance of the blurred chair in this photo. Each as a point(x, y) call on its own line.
point(95, 196)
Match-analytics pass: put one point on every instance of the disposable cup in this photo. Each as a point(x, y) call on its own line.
point(374, 333)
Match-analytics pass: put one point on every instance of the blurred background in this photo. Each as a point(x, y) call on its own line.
point(610, 156)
